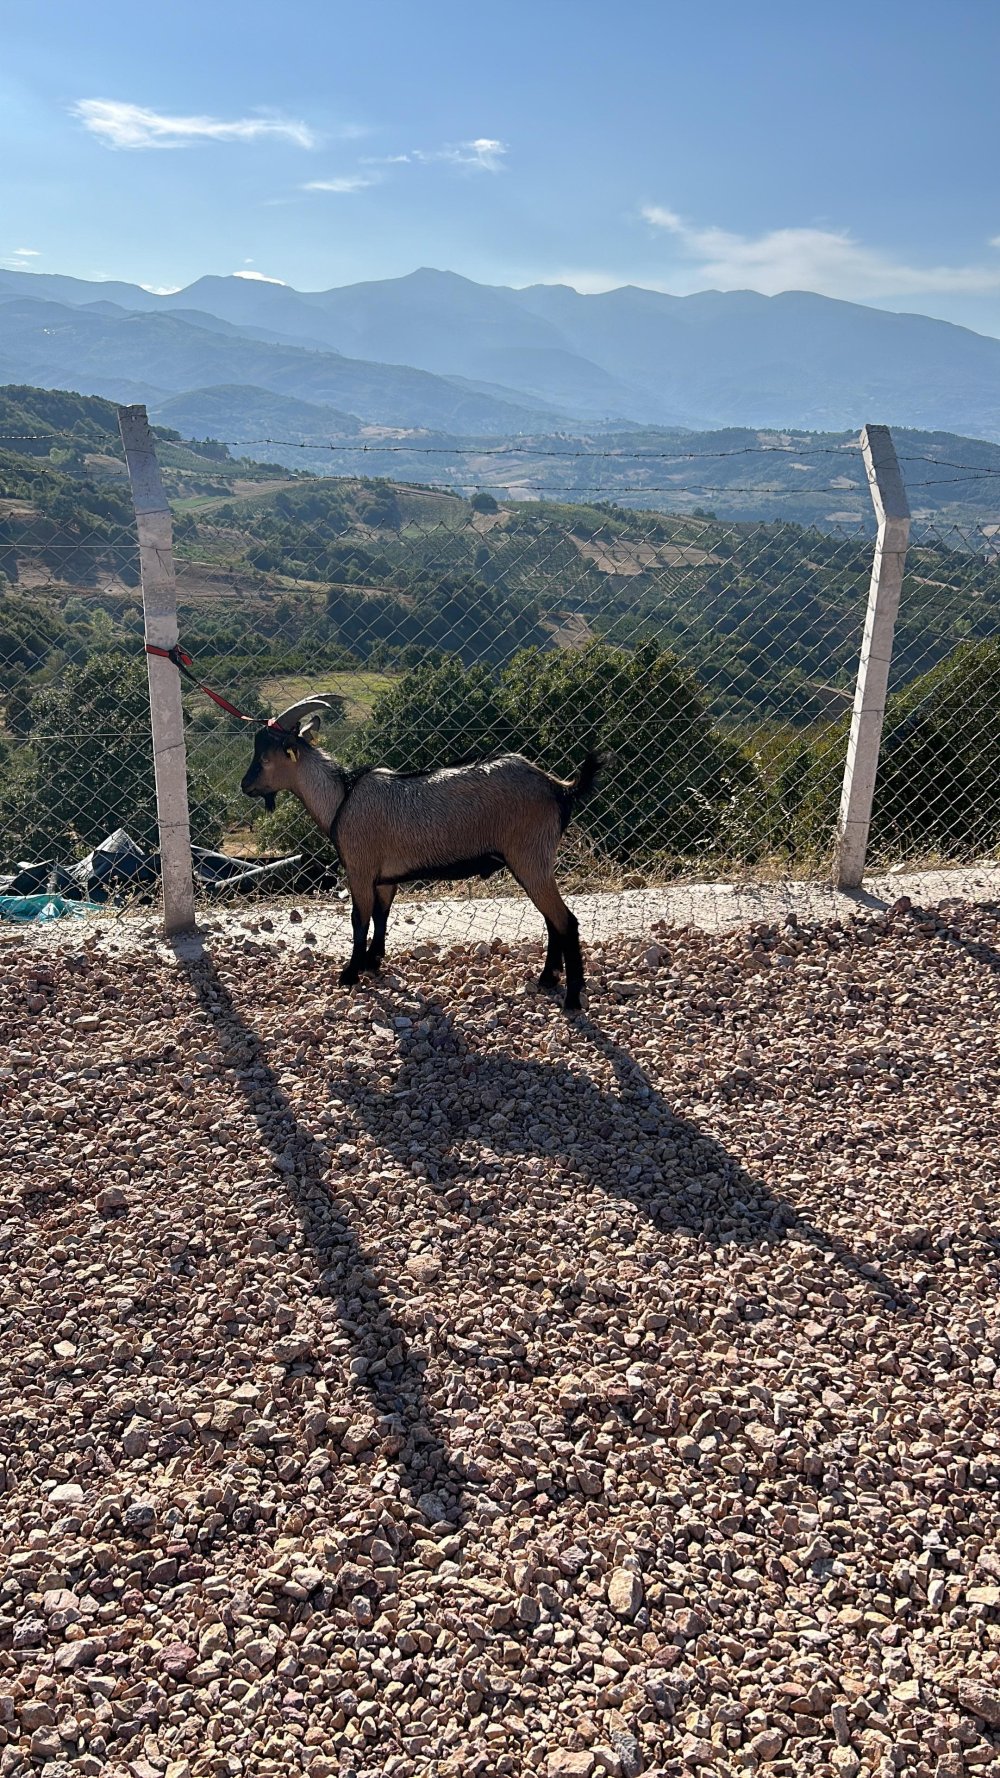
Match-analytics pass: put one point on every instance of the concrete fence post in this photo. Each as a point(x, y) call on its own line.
point(893, 514)
point(159, 603)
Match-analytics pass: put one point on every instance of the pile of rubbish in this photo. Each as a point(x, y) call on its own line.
point(120, 870)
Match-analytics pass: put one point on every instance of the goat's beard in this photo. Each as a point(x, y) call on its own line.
point(270, 802)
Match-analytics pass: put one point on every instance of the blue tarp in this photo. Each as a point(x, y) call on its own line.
point(23, 908)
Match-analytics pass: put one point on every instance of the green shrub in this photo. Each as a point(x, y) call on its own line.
point(90, 766)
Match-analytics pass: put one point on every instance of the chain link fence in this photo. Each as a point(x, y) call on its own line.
point(937, 796)
point(711, 661)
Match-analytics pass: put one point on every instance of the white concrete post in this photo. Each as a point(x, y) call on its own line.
point(893, 513)
point(159, 602)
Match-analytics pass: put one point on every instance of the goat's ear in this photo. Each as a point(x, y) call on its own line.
point(293, 754)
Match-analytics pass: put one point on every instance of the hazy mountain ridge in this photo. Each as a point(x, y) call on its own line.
point(105, 350)
point(712, 359)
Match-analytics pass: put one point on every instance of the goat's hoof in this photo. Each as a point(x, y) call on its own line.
point(547, 982)
point(372, 964)
point(348, 978)
point(572, 1003)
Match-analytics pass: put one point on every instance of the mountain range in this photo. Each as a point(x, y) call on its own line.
point(435, 351)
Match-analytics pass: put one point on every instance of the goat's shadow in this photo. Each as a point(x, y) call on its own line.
point(676, 1176)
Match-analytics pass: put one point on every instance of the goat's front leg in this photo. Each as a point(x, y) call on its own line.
point(384, 893)
point(549, 977)
point(362, 901)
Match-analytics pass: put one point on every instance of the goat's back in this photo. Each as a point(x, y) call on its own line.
point(394, 823)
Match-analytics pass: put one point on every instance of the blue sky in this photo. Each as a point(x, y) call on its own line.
point(709, 144)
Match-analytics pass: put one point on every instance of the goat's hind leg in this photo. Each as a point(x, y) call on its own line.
point(362, 901)
point(558, 919)
point(384, 894)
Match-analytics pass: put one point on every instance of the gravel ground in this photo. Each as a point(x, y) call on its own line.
point(417, 1382)
point(468, 918)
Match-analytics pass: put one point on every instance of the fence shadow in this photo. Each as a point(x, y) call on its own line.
point(976, 948)
point(396, 1393)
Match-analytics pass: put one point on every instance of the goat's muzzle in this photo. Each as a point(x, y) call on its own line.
point(250, 787)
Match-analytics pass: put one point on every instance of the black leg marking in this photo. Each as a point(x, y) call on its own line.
point(549, 977)
point(355, 963)
point(574, 965)
point(376, 950)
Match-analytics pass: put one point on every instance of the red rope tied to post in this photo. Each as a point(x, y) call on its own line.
point(185, 665)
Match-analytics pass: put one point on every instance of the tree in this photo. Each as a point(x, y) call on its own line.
point(439, 714)
point(673, 784)
point(91, 765)
point(938, 785)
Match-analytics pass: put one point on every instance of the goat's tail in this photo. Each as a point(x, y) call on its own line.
point(590, 770)
point(577, 788)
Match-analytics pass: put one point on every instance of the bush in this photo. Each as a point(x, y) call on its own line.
point(90, 766)
point(938, 785)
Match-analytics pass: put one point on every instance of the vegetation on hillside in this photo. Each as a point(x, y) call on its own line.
point(713, 661)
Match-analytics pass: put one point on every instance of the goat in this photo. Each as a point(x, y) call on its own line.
point(396, 827)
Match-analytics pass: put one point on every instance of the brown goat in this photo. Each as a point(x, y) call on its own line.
point(396, 827)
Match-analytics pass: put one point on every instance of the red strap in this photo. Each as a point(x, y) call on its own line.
point(184, 664)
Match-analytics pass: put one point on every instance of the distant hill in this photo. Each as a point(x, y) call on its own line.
point(810, 478)
point(102, 349)
point(70, 432)
point(300, 575)
point(731, 358)
point(240, 413)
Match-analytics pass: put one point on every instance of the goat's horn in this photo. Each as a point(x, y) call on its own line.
point(290, 718)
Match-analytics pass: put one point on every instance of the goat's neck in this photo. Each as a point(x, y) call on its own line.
point(320, 788)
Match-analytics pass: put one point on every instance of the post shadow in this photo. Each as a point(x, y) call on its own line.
point(973, 947)
point(395, 1393)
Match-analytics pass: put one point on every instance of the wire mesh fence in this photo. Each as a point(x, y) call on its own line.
point(711, 661)
point(937, 796)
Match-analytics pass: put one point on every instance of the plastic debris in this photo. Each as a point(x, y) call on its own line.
point(120, 869)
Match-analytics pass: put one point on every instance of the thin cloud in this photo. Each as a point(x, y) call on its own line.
point(119, 125)
point(162, 289)
point(832, 262)
point(260, 278)
point(344, 183)
point(484, 155)
point(27, 253)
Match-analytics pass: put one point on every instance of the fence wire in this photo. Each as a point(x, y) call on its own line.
point(937, 797)
point(711, 661)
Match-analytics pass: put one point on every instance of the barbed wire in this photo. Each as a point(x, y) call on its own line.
point(469, 450)
point(966, 473)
